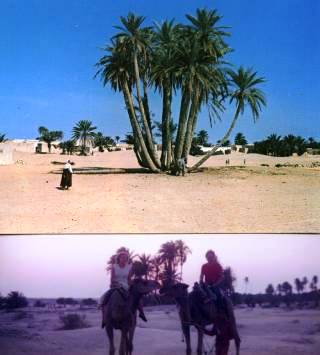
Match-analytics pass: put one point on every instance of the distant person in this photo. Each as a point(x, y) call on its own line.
point(66, 178)
point(182, 163)
point(244, 162)
point(121, 277)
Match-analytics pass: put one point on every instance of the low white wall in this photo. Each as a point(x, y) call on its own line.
point(6, 154)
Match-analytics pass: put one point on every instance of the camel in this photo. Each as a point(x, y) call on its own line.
point(195, 310)
point(121, 313)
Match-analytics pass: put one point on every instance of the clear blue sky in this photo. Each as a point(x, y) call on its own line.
point(49, 48)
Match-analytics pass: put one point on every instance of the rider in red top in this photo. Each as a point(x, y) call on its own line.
point(212, 271)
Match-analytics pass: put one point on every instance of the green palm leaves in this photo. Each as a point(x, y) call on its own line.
point(83, 131)
point(49, 136)
point(245, 92)
point(183, 61)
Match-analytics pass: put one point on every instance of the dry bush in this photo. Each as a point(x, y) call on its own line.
point(73, 321)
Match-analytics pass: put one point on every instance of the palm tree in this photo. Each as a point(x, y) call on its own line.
point(164, 78)
point(156, 266)
point(182, 251)
point(83, 131)
point(244, 93)
point(168, 253)
point(315, 282)
point(68, 147)
point(299, 285)
point(274, 144)
point(135, 40)
point(116, 69)
point(100, 141)
point(147, 266)
point(240, 139)
point(202, 137)
point(129, 139)
point(3, 138)
point(246, 282)
point(49, 136)
point(204, 71)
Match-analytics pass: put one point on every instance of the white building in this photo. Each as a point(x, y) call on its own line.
point(6, 154)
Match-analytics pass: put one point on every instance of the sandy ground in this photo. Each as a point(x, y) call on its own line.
point(238, 198)
point(263, 331)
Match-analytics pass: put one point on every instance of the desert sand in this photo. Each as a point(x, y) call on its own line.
point(263, 331)
point(238, 198)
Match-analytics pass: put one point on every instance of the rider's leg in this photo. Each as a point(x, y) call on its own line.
point(141, 312)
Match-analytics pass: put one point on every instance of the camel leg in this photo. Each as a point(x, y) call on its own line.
point(200, 342)
point(123, 343)
point(112, 348)
point(186, 333)
point(130, 340)
point(222, 345)
point(233, 324)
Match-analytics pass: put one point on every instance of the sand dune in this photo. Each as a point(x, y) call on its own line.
point(230, 199)
point(263, 331)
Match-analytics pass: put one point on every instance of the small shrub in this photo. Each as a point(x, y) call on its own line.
point(196, 150)
point(218, 152)
point(264, 164)
point(22, 315)
point(227, 151)
point(15, 300)
point(39, 303)
point(89, 302)
point(73, 321)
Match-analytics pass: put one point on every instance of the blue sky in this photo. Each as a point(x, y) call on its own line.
point(49, 48)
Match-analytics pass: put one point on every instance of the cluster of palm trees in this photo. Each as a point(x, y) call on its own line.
point(166, 266)
point(284, 146)
point(307, 293)
point(84, 135)
point(180, 61)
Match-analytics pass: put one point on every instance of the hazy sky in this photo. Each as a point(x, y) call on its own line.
point(53, 266)
point(49, 48)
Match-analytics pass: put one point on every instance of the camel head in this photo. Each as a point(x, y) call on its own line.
point(142, 287)
point(179, 290)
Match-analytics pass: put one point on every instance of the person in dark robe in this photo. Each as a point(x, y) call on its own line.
point(66, 178)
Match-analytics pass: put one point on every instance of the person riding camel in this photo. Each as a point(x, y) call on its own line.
point(211, 277)
point(122, 277)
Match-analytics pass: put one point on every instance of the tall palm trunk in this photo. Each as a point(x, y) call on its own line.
point(146, 102)
point(166, 155)
point(217, 146)
point(150, 144)
point(191, 122)
point(184, 109)
point(145, 156)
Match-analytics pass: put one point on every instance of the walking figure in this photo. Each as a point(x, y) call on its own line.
point(66, 178)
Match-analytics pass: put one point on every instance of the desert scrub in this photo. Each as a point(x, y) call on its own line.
point(73, 321)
